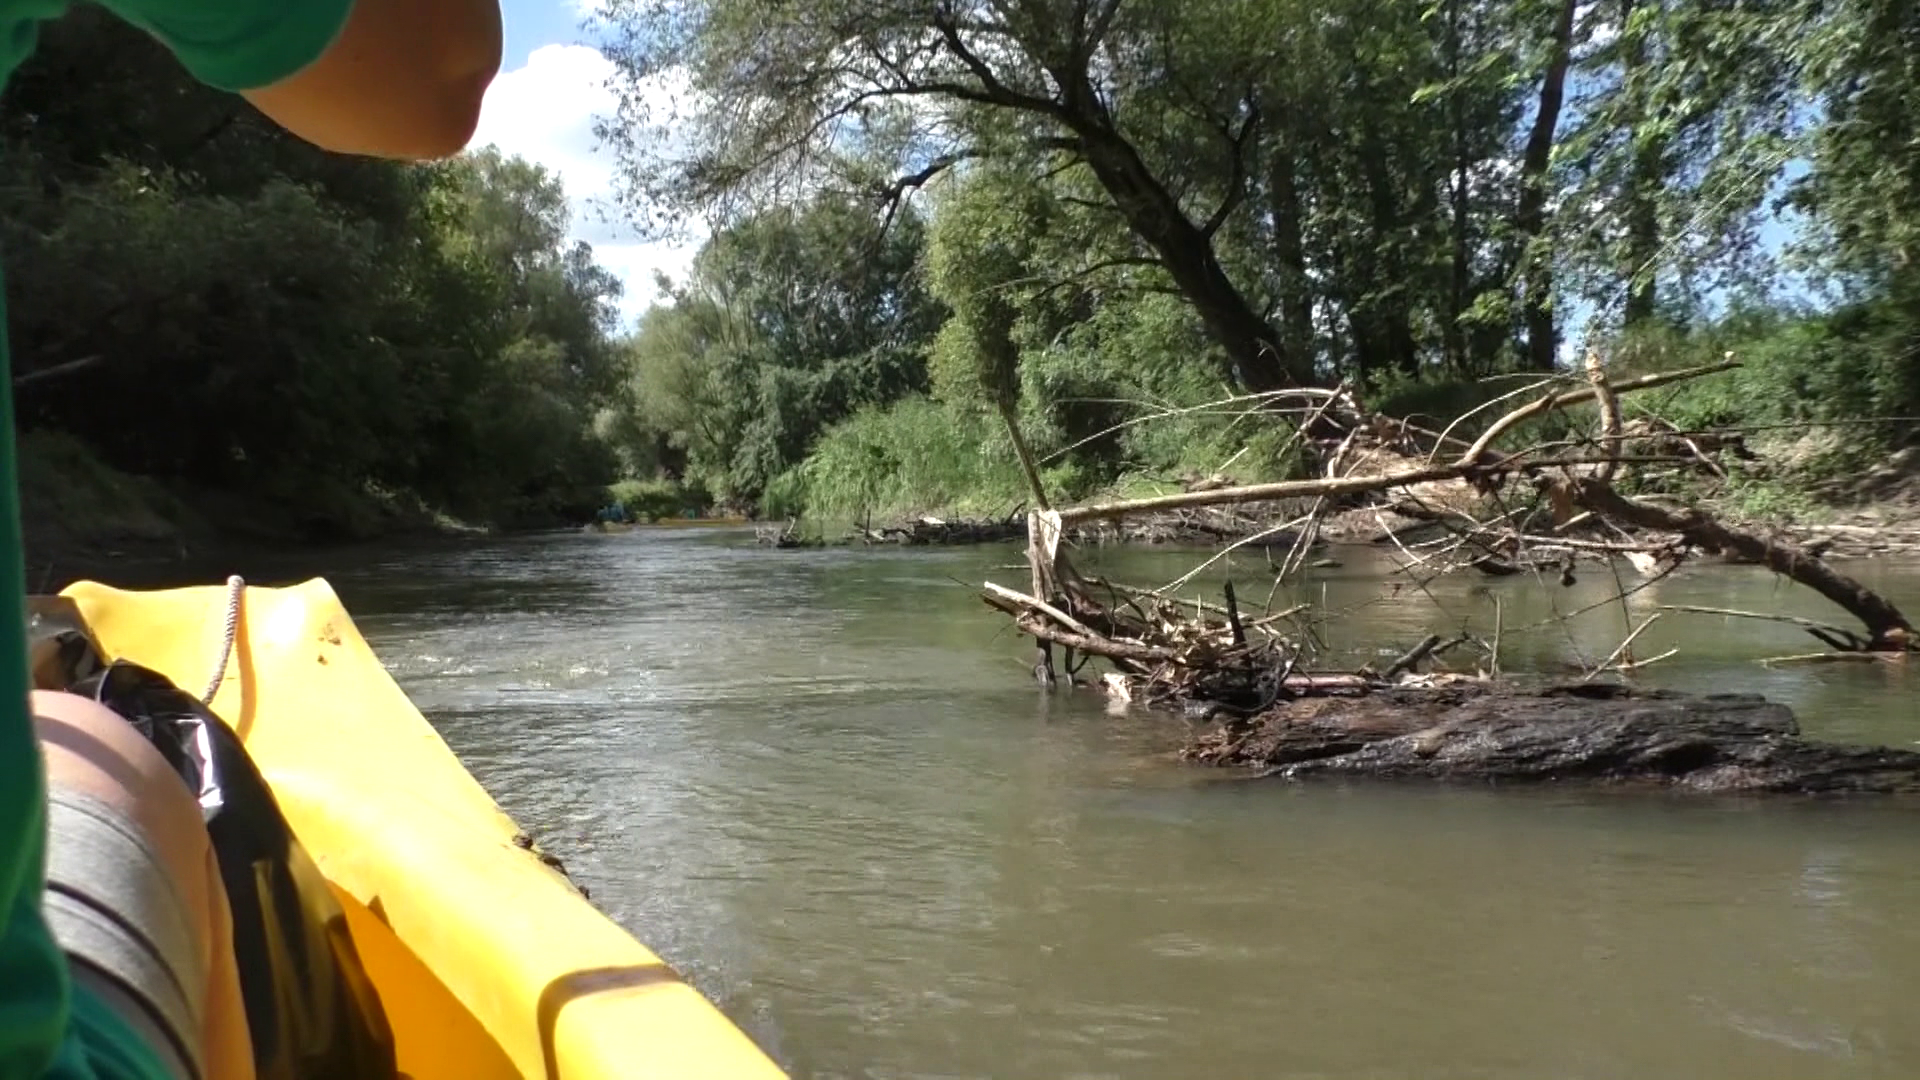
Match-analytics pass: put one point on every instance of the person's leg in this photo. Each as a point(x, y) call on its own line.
point(133, 889)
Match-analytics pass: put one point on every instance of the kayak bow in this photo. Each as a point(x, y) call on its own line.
point(489, 963)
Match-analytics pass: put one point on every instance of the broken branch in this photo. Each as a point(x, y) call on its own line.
point(1887, 629)
point(1413, 656)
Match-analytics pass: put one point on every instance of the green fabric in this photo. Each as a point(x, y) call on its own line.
point(47, 1030)
point(238, 44)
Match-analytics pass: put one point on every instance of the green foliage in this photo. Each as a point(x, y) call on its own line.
point(220, 306)
point(652, 500)
point(1335, 189)
point(979, 259)
point(947, 235)
point(790, 322)
point(1140, 208)
point(1769, 500)
point(915, 456)
point(1854, 367)
point(65, 486)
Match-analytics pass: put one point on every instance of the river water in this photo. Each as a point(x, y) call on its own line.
point(824, 786)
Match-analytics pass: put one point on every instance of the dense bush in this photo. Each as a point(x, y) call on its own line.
point(205, 300)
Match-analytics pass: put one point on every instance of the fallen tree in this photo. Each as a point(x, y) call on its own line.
point(1887, 629)
point(1720, 743)
point(1538, 507)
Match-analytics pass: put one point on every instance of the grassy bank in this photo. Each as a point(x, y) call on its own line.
point(70, 501)
point(920, 456)
point(1788, 444)
point(76, 507)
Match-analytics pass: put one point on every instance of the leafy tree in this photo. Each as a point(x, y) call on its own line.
point(1134, 94)
point(790, 321)
point(981, 261)
point(205, 300)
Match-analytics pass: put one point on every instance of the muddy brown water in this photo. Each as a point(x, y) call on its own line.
point(822, 785)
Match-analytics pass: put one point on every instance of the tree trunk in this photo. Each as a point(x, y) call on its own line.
point(1020, 450)
point(1459, 285)
point(1290, 252)
point(1643, 236)
point(1531, 214)
point(1387, 313)
point(1261, 360)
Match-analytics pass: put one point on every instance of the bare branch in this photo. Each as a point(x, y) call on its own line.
point(1237, 175)
point(1414, 655)
point(993, 92)
point(1102, 21)
point(55, 371)
point(1088, 271)
point(903, 184)
point(1887, 629)
point(1574, 397)
point(894, 193)
point(1793, 620)
point(1609, 415)
point(1284, 489)
point(1039, 605)
point(1621, 649)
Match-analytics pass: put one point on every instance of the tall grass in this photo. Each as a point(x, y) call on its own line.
point(920, 456)
point(915, 456)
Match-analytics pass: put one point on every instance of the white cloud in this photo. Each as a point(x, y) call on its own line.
point(545, 112)
point(1602, 25)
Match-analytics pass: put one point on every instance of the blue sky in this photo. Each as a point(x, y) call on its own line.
point(552, 85)
point(533, 23)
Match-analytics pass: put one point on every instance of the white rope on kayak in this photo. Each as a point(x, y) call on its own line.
point(235, 586)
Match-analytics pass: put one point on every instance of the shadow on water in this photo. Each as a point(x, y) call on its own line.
point(822, 784)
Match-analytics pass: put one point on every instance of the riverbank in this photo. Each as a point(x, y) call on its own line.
point(1842, 525)
point(1868, 508)
point(75, 509)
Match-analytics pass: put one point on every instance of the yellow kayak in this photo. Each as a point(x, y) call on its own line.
point(489, 964)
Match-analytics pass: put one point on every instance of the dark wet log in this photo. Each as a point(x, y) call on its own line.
point(1887, 629)
point(1590, 733)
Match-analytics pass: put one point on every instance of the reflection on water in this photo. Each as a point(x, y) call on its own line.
point(824, 786)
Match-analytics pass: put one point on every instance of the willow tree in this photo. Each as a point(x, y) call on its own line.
point(1157, 99)
point(980, 258)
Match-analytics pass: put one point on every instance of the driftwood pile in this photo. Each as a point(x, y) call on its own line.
point(785, 536)
point(1190, 525)
point(930, 531)
point(1250, 669)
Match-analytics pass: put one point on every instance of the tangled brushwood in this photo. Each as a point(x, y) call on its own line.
point(1541, 507)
